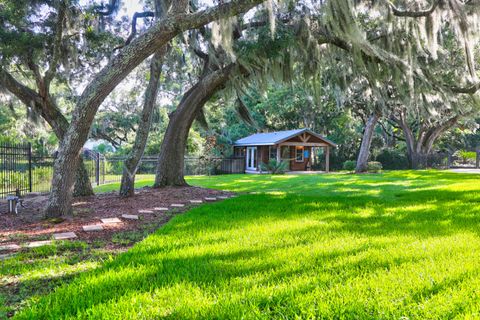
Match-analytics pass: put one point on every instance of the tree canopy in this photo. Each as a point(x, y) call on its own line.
point(381, 78)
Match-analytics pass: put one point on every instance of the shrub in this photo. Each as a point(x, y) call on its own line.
point(42, 174)
point(393, 159)
point(349, 165)
point(374, 166)
point(274, 167)
point(467, 155)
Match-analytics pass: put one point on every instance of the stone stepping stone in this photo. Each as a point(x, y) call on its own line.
point(93, 227)
point(64, 235)
point(160, 209)
point(196, 201)
point(10, 247)
point(110, 220)
point(145, 211)
point(223, 197)
point(36, 244)
point(130, 216)
point(177, 205)
point(210, 199)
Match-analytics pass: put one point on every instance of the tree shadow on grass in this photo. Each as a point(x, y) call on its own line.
point(420, 212)
point(168, 258)
point(145, 271)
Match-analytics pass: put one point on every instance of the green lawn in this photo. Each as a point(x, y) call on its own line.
point(399, 245)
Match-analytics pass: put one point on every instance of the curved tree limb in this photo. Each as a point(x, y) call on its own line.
point(413, 14)
point(136, 15)
point(57, 43)
point(54, 117)
point(108, 78)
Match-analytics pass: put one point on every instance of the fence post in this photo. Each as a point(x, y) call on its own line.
point(29, 167)
point(97, 168)
point(477, 161)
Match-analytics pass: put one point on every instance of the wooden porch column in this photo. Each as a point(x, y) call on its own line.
point(279, 154)
point(327, 159)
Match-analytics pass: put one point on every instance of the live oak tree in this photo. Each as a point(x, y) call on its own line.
point(418, 45)
point(32, 52)
point(422, 128)
point(125, 60)
point(170, 165)
point(131, 163)
point(222, 67)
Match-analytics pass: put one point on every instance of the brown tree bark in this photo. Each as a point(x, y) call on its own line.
point(49, 111)
point(420, 143)
point(108, 78)
point(364, 152)
point(127, 187)
point(130, 166)
point(169, 171)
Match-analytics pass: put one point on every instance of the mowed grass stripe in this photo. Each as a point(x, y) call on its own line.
point(399, 244)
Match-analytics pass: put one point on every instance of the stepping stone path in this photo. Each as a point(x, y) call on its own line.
point(196, 201)
point(177, 205)
point(36, 244)
point(223, 197)
point(10, 247)
point(160, 209)
point(130, 216)
point(93, 227)
point(210, 199)
point(64, 235)
point(145, 211)
point(110, 220)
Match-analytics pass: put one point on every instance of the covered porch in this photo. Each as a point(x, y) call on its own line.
point(297, 148)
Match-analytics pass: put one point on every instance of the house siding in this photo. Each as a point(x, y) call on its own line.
point(263, 142)
point(264, 154)
point(300, 166)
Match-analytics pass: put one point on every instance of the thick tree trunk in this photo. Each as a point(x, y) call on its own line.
point(415, 150)
point(418, 160)
point(83, 186)
point(130, 167)
point(364, 152)
point(127, 186)
point(108, 78)
point(419, 146)
point(169, 171)
point(49, 111)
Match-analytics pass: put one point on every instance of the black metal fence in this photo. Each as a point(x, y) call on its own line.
point(15, 168)
point(22, 171)
point(112, 167)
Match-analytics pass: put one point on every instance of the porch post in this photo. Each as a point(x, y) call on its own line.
point(327, 159)
point(279, 155)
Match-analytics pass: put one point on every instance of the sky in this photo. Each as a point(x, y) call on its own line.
point(129, 7)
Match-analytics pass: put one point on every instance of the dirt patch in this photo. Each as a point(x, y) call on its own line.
point(30, 224)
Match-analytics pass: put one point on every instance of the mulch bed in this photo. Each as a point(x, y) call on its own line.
point(30, 224)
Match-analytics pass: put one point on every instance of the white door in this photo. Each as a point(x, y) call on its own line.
point(251, 158)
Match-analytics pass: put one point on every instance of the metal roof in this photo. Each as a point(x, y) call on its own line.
point(272, 138)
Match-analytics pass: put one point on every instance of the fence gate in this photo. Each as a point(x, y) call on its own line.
point(15, 168)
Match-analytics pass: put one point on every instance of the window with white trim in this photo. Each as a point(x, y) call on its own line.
point(299, 154)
